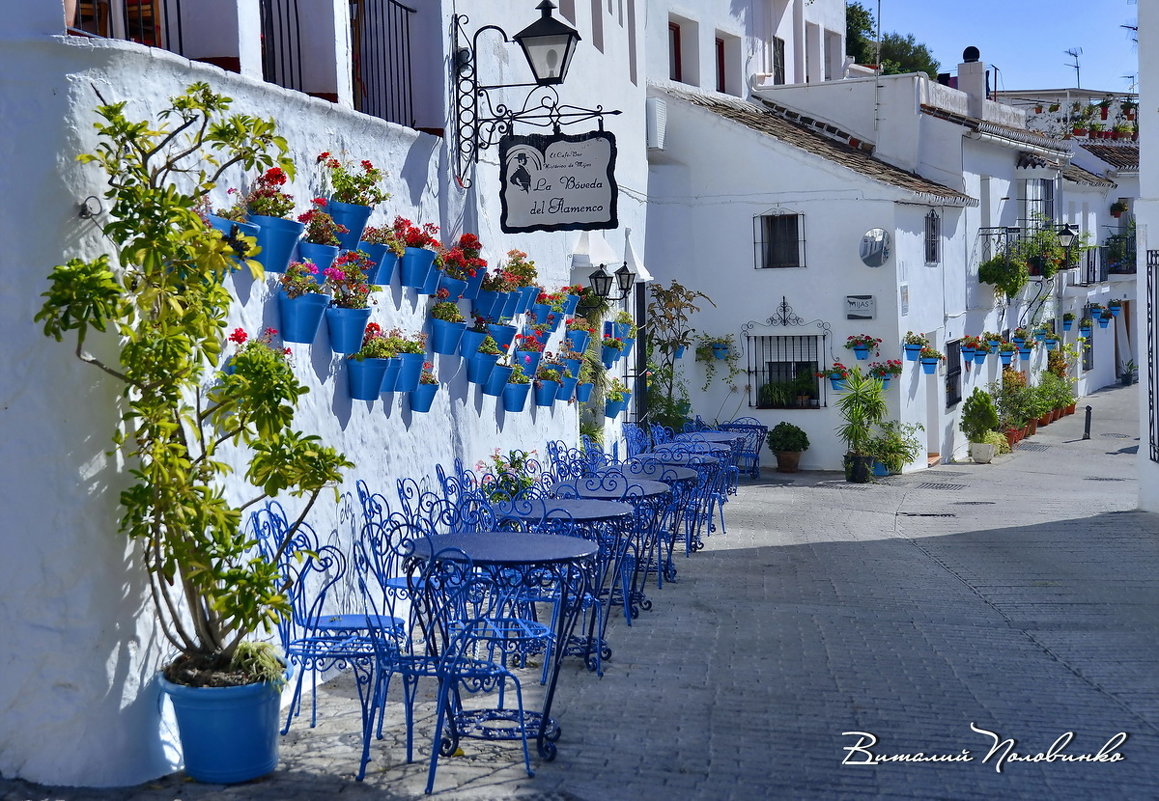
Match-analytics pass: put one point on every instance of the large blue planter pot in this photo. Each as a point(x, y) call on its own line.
point(346, 327)
point(364, 378)
point(479, 367)
point(384, 261)
point(570, 304)
point(1006, 357)
point(445, 336)
point(540, 310)
point(613, 408)
point(837, 384)
point(566, 388)
point(351, 215)
point(861, 352)
point(1052, 344)
point(322, 256)
point(720, 351)
point(277, 238)
point(503, 335)
point(431, 285)
point(912, 352)
point(301, 316)
point(474, 284)
point(1114, 310)
point(573, 366)
point(578, 340)
point(512, 305)
point(228, 734)
point(621, 330)
point(390, 377)
point(488, 304)
point(980, 357)
point(422, 398)
point(929, 366)
point(515, 397)
point(470, 342)
point(528, 360)
point(454, 286)
point(415, 264)
point(1104, 322)
point(497, 380)
point(1067, 325)
point(528, 295)
point(1023, 353)
point(410, 369)
point(545, 392)
point(583, 392)
point(609, 356)
point(229, 227)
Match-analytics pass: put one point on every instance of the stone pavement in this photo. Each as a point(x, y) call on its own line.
point(1020, 597)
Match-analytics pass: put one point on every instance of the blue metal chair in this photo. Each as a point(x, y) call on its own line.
point(635, 439)
point(660, 434)
point(755, 435)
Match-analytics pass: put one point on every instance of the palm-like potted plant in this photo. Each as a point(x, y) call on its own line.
point(210, 592)
point(787, 442)
point(862, 407)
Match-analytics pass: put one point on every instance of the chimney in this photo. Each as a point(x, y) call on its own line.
point(972, 81)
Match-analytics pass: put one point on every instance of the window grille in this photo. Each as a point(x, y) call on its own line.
point(1038, 198)
point(782, 372)
point(933, 238)
point(779, 240)
point(383, 75)
point(282, 44)
point(953, 372)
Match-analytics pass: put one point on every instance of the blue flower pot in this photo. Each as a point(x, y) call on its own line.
point(861, 352)
point(479, 367)
point(609, 356)
point(578, 340)
point(1067, 325)
point(1085, 330)
point(540, 310)
point(545, 392)
point(475, 284)
point(885, 382)
point(1019, 341)
point(573, 366)
point(679, 352)
point(1040, 336)
point(496, 380)
point(512, 305)
point(454, 286)
point(390, 377)
point(346, 327)
point(879, 469)
point(912, 352)
point(470, 341)
point(503, 335)
point(227, 227)
point(630, 341)
point(1114, 310)
point(445, 336)
point(416, 263)
point(929, 366)
point(384, 262)
point(515, 397)
point(351, 215)
point(321, 255)
point(1025, 354)
point(410, 368)
point(720, 351)
point(277, 238)
point(485, 302)
point(423, 397)
point(364, 378)
point(528, 295)
point(1104, 322)
point(431, 284)
point(621, 330)
point(567, 387)
point(528, 360)
point(301, 316)
point(570, 304)
point(583, 392)
point(968, 354)
point(1006, 357)
point(613, 408)
point(228, 734)
point(838, 384)
point(1052, 344)
point(980, 357)
point(994, 343)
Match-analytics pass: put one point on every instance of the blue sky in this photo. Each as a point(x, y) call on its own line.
point(1026, 39)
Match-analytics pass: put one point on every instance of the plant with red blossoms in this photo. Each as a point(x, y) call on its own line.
point(427, 376)
point(863, 341)
point(375, 344)
point(462, 260)
point(414, 236)
point(579, 323)
point(351, 185)
point(887, 368)
point(320, 226)
point(301, 278)
point(266, 197)
point(384, 235)
point(445, 309)
point(346, 280)
point(613, 342)
point(265, 340)
point(838, 370)
point(520, 268)
point(528, 343)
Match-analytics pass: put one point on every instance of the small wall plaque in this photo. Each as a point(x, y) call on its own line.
point(860, 307)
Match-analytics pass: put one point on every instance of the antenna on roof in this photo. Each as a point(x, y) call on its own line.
point(1133, 79)
point(1074, 53)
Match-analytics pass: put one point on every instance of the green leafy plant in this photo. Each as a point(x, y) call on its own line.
point(375, 344)
point(1006, 273)
point(446, 310)
point(617, 390)
point(862, 407)
point(915, 339)
point(384, 235)
point(489, 347)
point(517, 375)
point(979, 415)
point(895, 444)
point(166, 301)
point(706, 355)
point(266, 196)
point(360, 187)
point(785, 436)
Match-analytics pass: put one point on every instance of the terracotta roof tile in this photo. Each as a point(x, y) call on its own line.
point(1123, 157)
point(1080, 176)
point(1017, 136)
point(824, 140)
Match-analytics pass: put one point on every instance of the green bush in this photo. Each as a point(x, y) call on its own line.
point(785, 436)
point(978, 416)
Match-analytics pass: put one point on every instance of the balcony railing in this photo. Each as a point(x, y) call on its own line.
point(1118, 254)
point(1091, 268)
point(282, 43)
point(383, 74)
point(156, 23)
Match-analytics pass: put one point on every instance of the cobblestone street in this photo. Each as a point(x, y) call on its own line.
point(1019, 597)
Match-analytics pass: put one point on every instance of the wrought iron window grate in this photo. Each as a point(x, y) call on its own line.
point(783, 372)
point(383, 71)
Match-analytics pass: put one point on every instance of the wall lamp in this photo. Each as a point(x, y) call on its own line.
point(601, 282)
point(479, 119)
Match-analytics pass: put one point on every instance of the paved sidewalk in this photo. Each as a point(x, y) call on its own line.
point(1021, 597)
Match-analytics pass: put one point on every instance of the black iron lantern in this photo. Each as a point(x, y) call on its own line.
point(601, 282)
point(1066, 235)
point(548, 45)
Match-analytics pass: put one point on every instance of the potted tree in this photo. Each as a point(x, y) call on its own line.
point(210, 591)
point(787, 442)
point(862, 408)
point(979, 418)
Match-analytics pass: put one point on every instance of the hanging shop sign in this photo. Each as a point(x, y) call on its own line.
point(558, 182)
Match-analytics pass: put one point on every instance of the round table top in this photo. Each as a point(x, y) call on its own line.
point(653, 469)
point(710, 436)
point(578, 509)
point(695, 447)
point(677, 458)
point(509, 548)
point(595, 488)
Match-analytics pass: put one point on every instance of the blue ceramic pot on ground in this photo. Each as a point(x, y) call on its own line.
point(566, 388)
point(423, 397)
point(578, 340)
point(229, 227)
point(353, 217)
point(277, 238)
point(503, 335)
point(301, 316)
point(879, 469)
point(228, 734)
point(545, 392)
point(515, 397)
point(479, 367)
point(496, 381)
point(445, 336)
point(410, 369)
point(583, 392)
point(364, 377)
point(414, 266)
point(346, 327)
